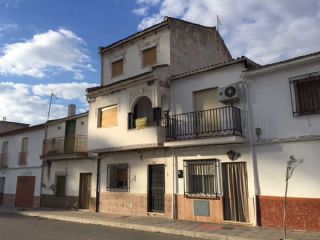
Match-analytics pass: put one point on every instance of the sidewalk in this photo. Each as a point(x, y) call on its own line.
point(152, 224)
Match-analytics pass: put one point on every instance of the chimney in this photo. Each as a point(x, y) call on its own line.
point(71, 110)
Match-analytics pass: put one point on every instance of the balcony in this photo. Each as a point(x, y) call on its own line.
point(65, 145)
point(3, 160)
point(214, 123)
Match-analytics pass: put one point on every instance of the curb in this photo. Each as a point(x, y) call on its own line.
point(138, 227)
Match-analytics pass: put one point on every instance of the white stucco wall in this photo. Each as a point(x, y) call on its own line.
point(271, 165)
point(271, 104)
point(132, 55)
point(138, 168)
point(120, 135)
point(71, 169)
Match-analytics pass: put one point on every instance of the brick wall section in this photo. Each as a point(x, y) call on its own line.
point(9, 200)
point(36, 201)
point(302, 213)
point(186, 210)
point(131, 204)
point(51, 201)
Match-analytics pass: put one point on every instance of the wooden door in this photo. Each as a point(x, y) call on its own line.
point(70, 133)
point(85, 190)
point(156, 191)
point(25, 191)
point(235, 192)
point(2, 182)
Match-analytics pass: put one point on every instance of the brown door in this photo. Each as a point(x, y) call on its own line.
point(85, 190)
point(25, 191)
point(2, 181)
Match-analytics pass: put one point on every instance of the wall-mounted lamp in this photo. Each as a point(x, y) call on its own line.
point(232, 155)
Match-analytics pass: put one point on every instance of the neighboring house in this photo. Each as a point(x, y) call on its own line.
point(284, 102)
point(20, 163)
point(68, 175)
point(146, 168)
point(6, 126)
point(194, 136)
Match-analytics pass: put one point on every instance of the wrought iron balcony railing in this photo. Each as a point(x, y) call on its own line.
point(65, 145)
point(225, 121)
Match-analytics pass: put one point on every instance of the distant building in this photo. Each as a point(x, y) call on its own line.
point(68, 175)
point(20, 166)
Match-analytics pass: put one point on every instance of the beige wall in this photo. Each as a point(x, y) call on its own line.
point(131, 53)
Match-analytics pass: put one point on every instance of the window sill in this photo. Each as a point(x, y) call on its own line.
point(202, 196)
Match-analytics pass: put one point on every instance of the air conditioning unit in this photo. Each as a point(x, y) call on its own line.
point(229, 94)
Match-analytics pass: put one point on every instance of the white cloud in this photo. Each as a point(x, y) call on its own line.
point(46, 54)
point(4, 27)
point(29, 103)
point(265, 31)
point(68, 91)
point(9, 3)
point(144, 6)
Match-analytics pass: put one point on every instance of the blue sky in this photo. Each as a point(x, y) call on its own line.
point(53, 44)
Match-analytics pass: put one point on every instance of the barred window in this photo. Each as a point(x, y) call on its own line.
point(201, 178)
point(117, 177)
point(305, 94)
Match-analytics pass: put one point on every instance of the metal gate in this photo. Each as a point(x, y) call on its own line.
point(156, 188)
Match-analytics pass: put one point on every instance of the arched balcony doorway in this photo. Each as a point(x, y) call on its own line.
point(143, 115)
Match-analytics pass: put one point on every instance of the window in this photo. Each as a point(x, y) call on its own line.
point(149, 57)
point(201, 178)
point(117, 68)
point(305, 94)
point(4, 155)
point(61, 186)
point(117, 177)
point(109, 116)
point(24, 151)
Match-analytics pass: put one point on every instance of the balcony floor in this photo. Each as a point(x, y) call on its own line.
point(205, 141)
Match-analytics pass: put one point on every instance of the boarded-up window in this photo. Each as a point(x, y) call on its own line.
point(109, 116)
point(149, 57)
point(61, 186)
point(117, 68)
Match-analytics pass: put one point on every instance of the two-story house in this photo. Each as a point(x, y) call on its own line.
point(20, 166)
point(135, 126)
point(68, 174)
point(284, 99)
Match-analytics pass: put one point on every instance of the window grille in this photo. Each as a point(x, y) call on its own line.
point(201, 178)
point(118, 177)
point(305, 94)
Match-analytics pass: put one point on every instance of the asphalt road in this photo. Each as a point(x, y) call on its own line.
point(16, 227)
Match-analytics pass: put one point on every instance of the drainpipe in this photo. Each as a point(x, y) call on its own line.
point(174, 204)
point(253, 163)
point(98, 184)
